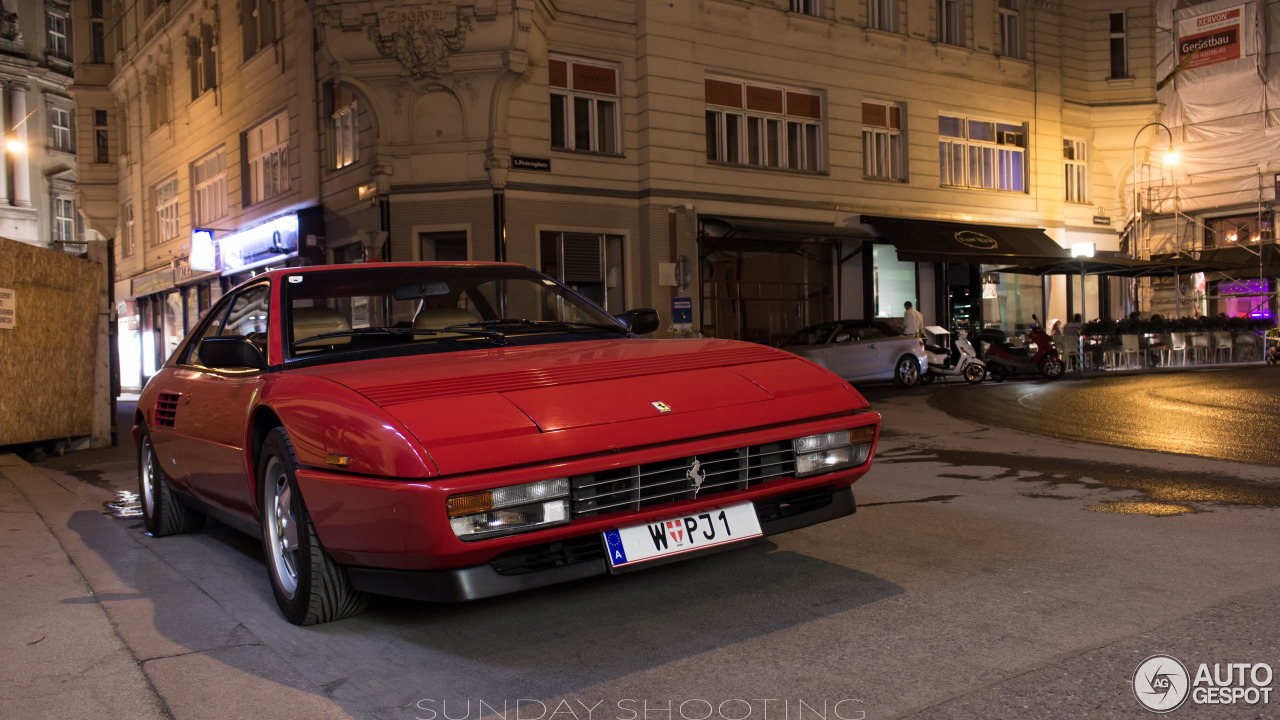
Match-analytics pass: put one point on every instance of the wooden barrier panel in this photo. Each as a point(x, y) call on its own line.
point(48, 343)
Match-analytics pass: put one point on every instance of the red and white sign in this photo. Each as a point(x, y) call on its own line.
point(1214, 37)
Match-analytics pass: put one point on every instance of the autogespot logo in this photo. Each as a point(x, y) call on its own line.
point(1161, 683)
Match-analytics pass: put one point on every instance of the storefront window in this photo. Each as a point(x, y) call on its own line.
point(895, 282)
point(1092, 301)
point(1009, 300)
point(1245, 298)
point(174, 328)
point(766, 292)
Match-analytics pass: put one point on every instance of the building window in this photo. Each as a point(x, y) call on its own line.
point(590, 263)
point(883, 15)
point(60, 134)
point(97, 33)
point(584, 107)
point(158, 99)
point(450, 246)
point(128, 239)
point(202, 61)
point(101, 148)
point(981, 154)
point(763, 126)
point(882, 141)
point(344, 126)
point(64, 219)
point(1010, 29)
point(1238, 230)
point(267, 148)
point(209, 176)
point(1075, 162)
point(166, 204)
point(58, 23)
point(806, 7)
point(260, 21)
point(951, 22)
point(1119, 46)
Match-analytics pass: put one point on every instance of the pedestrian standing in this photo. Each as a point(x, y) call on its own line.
point(912, 321)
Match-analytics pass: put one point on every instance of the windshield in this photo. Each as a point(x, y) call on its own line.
point(437, 308)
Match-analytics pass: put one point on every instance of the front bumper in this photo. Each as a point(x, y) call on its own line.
point(579, 557)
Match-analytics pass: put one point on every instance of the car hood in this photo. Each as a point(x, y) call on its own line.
point(503, 393)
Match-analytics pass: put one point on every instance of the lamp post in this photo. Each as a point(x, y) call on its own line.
point(1170, 158)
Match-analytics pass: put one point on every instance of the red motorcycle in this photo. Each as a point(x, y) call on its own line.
point(1039, 357)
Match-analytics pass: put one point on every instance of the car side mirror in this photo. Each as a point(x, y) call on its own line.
point(231, 351)
point(642, 321)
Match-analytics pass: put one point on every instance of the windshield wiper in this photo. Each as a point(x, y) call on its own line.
point(493, 335)
point(505, 322)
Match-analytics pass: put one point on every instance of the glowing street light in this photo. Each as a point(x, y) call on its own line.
point(15, 146)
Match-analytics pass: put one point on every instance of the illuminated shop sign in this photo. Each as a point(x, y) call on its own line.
point(204, 255)
point(269, 242)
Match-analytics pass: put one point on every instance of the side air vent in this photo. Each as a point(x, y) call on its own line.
point(166, 410)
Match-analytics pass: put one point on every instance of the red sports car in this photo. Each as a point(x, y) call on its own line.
point(448, 431)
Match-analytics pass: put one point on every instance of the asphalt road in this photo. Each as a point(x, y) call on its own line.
point(988, 572)
point(1230, 414)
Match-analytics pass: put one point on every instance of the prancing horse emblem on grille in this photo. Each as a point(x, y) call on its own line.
point(696, 475)
point(662, 407)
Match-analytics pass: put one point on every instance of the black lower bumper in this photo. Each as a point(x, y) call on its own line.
point(574, 559)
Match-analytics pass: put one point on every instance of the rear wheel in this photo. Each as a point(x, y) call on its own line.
point(974, 373)
point(927, 378)
point(907, 372)
point(997, 373)
point(309, 586)
point(1052, 368)
point(162, 512)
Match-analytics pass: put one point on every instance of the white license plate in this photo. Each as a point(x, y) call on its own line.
point(636, 544)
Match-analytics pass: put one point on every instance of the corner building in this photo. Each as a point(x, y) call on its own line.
point(776, 162)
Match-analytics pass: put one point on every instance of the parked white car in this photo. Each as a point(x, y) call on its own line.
point(862, 351)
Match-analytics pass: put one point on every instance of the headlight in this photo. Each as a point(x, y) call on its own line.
point(827, 452)
point(510, 509)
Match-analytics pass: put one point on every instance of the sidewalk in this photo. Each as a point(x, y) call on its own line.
point(95, 624)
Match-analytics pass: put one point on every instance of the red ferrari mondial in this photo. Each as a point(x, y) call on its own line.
point(455, 431)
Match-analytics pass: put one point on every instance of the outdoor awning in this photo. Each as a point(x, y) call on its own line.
point(744, 228)
point(1119, 266)
point(957, 242)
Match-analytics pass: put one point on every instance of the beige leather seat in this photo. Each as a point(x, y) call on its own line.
point(440, 318)
point(311, 321)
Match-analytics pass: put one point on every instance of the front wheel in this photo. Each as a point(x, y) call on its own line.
point(974, 373)
point(309, 586)
point(1052, 368)
point(162, 512)
point(907, 372)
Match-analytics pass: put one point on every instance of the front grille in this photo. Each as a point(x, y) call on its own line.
point(549, 555)
point(640, 486)
point(166, 410)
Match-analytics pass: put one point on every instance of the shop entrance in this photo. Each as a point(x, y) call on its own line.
point(764, 292)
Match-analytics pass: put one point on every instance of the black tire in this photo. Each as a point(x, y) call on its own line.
point(974, 373)
point(927, 378)
point(1051, 368)
point(997, 373)
point(906, 373)
point(162, 511)
point(309, 586)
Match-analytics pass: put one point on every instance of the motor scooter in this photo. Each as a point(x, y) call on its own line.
point(959, 360)
point(1004, 360)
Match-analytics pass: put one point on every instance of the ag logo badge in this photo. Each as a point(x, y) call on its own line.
point(1161, 683)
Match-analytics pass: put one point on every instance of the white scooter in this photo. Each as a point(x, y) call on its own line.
point(958, 361)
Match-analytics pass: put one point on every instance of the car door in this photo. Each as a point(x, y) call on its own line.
point(853, 355)
point(811, 343)
point(213, 412)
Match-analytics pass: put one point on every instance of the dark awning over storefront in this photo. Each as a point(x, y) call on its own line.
point(956, 242)
point(757, 233)
point(1119, 266)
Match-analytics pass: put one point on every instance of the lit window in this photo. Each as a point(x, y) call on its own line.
point(1075, 162)
point(345, 127)
point(60, 134)
point(59, 34)
point(981, 154)
point(584, 107)
point(166, 203)
point(267, 147)
point(209, 176)
point(64, 219)
point(882, 141)
point(763, 126)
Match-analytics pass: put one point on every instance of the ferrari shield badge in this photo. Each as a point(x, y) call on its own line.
point(662, 407)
